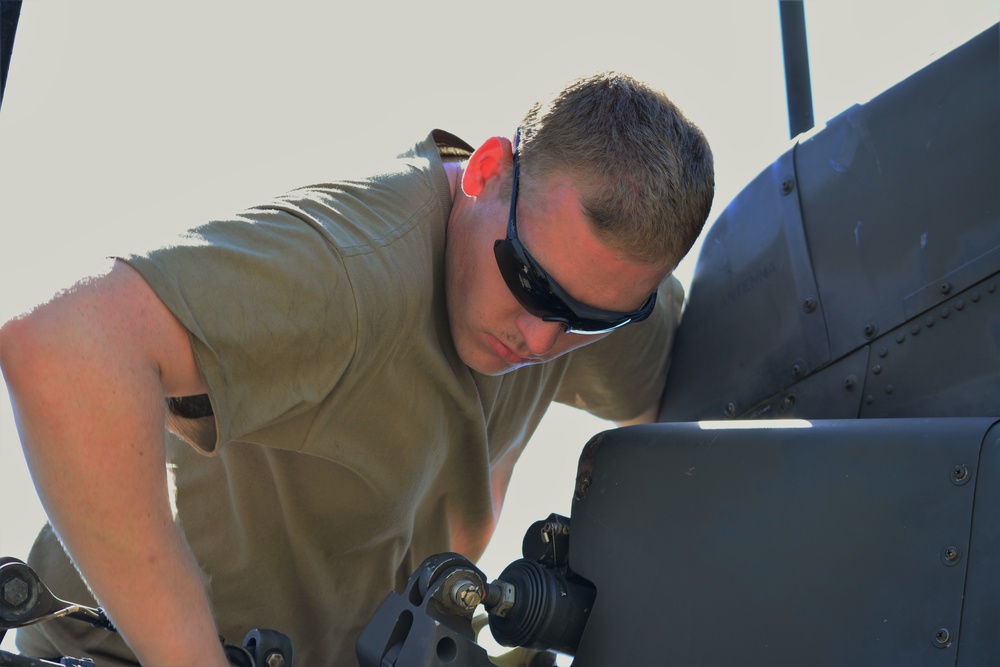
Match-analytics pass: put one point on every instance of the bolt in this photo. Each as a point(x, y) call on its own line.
point(274, 659)
point(870, 330)
point(849, 382)
point(945, 288)
point(467, 595)
point(951, 555)
point(787, 186)
point(730, 409)
point(942, 637)
point(15, 591)
point(797, 370)
point(809, 305)
point(789, 401)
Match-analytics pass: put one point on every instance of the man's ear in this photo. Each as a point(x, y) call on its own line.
point(489, 161)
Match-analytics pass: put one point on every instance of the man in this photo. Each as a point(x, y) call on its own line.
point(362, 361)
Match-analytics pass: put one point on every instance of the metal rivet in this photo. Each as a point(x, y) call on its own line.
point(929, 322)
point(869, 399)
point(797, 369)
point(876, 369)
point(991, 288)
point(945, 288)
point(850, 381)
point(883, 352)
point(960, 304)
point(915, 329)
point(945, 312)
point(870, 330)
point(900, 337)
point(730, 409)
point(809, 305)
point(960, 474)
point(976, 296)
point(889, 389)
point(942, 637)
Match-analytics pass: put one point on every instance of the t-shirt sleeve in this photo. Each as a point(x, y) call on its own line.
point(623, 374)
point(272, 320)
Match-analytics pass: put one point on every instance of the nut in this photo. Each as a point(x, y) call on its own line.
point(467, 595)
point(15, 591)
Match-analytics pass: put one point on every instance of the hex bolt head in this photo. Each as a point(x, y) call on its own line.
point(15, 591)
point(274, 659)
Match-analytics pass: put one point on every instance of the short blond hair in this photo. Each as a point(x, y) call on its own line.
point(644, 170)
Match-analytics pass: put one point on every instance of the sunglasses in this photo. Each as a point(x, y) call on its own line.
point(542, 296)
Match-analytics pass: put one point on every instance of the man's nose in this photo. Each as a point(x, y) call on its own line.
point(540, 336)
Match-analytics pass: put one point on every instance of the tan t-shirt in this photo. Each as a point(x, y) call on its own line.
point(349, 441)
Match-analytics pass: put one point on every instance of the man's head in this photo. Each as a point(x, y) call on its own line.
point(645, 171)
point(614, 187)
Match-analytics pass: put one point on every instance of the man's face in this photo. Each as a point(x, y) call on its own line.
point(493, 333)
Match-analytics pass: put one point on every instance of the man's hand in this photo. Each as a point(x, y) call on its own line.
point(88, 373)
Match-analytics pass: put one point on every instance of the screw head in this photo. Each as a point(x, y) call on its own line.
point(787, 186)
point(960, 474)
point(950, 555)
point(942, 637)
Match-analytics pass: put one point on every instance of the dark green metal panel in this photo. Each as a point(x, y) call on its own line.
point(824, 543)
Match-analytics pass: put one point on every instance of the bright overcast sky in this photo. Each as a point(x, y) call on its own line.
point(121, 118)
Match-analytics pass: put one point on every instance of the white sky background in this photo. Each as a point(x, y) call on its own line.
point(122, 119)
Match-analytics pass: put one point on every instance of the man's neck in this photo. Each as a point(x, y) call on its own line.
point(454, 171)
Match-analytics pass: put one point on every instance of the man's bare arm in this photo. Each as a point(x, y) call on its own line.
point(646, 417)
point(88, 373)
